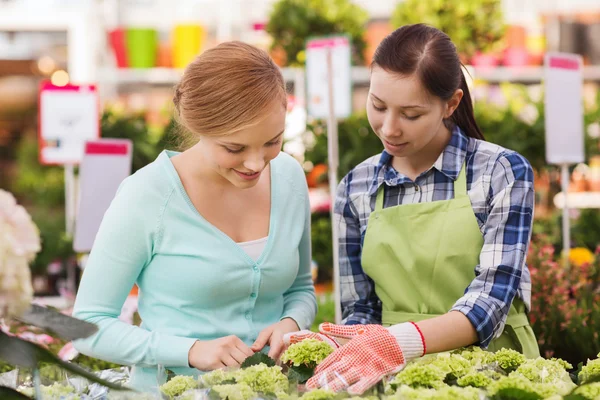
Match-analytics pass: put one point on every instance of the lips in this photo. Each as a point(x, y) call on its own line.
point(395, 144)
point(249, 176)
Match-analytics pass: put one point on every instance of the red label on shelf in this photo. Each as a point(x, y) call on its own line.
point(564, 63)
point(106, 148)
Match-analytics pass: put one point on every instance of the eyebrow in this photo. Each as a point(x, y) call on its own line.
point(410, 106)
point(243, 145)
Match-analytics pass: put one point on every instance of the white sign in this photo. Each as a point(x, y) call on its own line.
point(564, 108)
point(317, 52)
point(104, 166)
point(69, 116)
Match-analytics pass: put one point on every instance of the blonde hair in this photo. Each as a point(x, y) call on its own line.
point(227, 88)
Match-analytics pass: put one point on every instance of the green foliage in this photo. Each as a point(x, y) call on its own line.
point(41, 189)
point(590, 371)
point(585, 232)
point(509, 359)
point(292, 22)
point(518, 126)
point(257, 359)
point(133, 127)
point(326, 311)
point(322, 245)
point(472, 25)
point(356, 139)
point(178, 385)
point(37, 184)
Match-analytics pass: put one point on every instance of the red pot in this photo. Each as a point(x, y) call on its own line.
point(516, 57)
point(117, 42)
point(484, 60)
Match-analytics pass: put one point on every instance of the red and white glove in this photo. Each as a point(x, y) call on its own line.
point(372, 353)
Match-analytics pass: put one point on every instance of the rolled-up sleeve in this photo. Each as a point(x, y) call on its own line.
point(506, 234)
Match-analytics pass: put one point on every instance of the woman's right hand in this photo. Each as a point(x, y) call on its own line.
point(228, 351)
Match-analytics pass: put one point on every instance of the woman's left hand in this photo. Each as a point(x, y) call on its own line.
point(273, 336)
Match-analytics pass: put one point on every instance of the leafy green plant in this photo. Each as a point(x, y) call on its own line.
point(322, 245)
point(565, 312)
point(34, 183)
point(356, 141)
point(585, 230)
point(135, 128)
point(472, 25)
point(292, 22)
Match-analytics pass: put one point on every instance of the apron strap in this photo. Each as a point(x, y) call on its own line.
point(460, 184)
point(379, 200)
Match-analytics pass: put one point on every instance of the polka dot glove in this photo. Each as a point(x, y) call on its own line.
point(372, 353)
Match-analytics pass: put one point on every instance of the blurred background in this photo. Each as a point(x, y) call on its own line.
point(135, 50)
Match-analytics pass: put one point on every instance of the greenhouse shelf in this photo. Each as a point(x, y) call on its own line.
point(578, 200)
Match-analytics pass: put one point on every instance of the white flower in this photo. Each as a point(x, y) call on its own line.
point(529, 114)
point(19, 243)
point(593, 130)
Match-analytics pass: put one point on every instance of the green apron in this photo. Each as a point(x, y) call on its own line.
point(421, 258)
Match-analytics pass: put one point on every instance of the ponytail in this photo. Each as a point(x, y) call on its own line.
point(463, 115)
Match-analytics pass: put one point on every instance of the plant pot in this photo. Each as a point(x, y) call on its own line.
point(118, 43)
point(164, 57)
point(142, 46)
point(516, 57)
point(515, 36)
point(484, 60)
point(187, 43)
point(376, 32)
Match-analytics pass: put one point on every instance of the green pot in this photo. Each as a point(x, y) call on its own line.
point(142, 45)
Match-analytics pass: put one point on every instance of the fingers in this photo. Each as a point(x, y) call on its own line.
point(341, 331)
point(276, 346)
point(364, 384)
point(331, 359)
point(246, 350)
point(296, 337)
point(338, 376)
point(342, 380)
point(262, 340)
point(239, 355)
point(229, 361)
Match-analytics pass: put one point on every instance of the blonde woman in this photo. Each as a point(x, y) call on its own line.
point(217, 237)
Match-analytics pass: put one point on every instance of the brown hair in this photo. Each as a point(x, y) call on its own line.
point(430, 54)
point(227, 88)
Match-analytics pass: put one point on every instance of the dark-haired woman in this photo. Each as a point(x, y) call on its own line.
point(434, 231)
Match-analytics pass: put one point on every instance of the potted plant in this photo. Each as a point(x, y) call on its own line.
point(475, 27)
point(292, 22)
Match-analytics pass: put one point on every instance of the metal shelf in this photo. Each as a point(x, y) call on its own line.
point(168, 76)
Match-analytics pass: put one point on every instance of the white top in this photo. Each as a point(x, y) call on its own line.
point(254, 248)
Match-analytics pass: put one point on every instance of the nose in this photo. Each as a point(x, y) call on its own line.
point(255, 162)
point(390, 126)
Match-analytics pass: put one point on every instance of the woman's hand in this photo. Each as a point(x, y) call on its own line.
point(273, 336)
point(227, 351)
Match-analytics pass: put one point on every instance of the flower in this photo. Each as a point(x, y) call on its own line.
point(178, 385)
point(580, 256)
point(19, 243)
point(307, 352)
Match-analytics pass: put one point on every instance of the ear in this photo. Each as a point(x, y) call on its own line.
point(453, 103)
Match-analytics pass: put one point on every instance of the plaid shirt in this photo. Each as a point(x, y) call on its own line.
point(500, 187)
